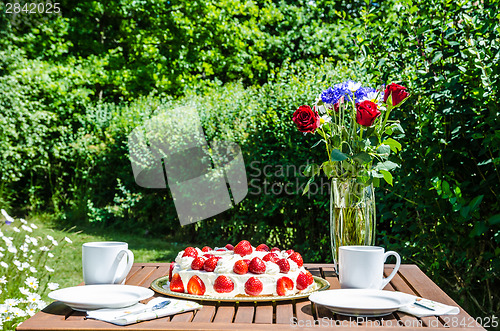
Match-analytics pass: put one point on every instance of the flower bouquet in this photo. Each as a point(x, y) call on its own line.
point(352, 121)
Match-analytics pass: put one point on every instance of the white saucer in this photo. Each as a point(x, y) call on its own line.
point(90, 297)
point(361, 302)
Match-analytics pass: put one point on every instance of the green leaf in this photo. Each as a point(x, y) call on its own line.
point(306, 188)
point(311, 170)
point(494, 220)
point(384, 150)
point(337, 155)
point(362, 158)
point(475, 203)
point(386, 165)
point(387, 176)
point(479, 228)
point(317, 143)
point(395, 146)
point(328, 169)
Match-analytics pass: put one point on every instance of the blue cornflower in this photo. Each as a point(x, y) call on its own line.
point(333, 94)
point(362, 93)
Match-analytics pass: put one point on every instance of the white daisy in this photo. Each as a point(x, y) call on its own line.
point(3, 280)
point(34, 241)
point(26, 228)
point(31, 282)
point(8, 218)
point(3, 264)
point(31, 309)
point(50, 254)
point(16, 229)
point(11, 302)
point(34, 297)
point(44, 249)
point(33, 270)
point(18, 312)
point(54, 242)
point(68, 240)
point(24, 291)
point(23, 221)
point(25, 265)
point(53, 286)
point(33, 226)
point(2, 254)
point(49, 269)
point(12, 249)
point(17, 263)
point(50, 237)
point(353, 86)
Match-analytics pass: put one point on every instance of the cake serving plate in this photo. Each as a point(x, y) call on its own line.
point(161, 285)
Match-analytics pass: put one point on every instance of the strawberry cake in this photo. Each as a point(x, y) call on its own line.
point(239, 271)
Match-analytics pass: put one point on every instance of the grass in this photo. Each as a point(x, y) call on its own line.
point(67, 261)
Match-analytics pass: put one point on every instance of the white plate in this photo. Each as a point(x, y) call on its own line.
point(361, 302)
point(90, 297)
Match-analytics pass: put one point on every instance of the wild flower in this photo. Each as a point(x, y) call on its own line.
point(24, 250)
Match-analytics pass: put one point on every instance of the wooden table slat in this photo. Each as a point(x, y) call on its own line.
point(224, 314)
point(284, 312)
point(244, 313)
point(205, 314)
point(264, 313)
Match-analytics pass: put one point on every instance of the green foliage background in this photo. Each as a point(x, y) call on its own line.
point(74, 84)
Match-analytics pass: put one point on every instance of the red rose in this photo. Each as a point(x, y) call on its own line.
point(306, 119)
point(398, 93)
point(366, 113)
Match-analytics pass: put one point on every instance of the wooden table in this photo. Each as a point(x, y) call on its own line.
point(264, 316)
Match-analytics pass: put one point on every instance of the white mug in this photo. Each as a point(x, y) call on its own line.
point(104, 262)
point(363, 267)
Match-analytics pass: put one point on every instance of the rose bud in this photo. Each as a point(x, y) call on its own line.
point(398, 93)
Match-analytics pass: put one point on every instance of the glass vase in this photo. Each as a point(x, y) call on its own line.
point(352, 214)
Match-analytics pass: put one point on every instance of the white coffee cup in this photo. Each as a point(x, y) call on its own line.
point(104, 262)
point(363, 267)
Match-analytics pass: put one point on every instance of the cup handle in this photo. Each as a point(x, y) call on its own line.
point(130, 260)
point(386, 281)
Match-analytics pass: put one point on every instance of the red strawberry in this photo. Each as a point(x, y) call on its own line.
point(176, 284)
point(195, 286)
point(289, 252)
point(297, 258)
point(275, 249)
point(257, 266)
point(304, 280)
point(310, 278)
point(284, 265)
point(262, 248)
point(230, 247)
point(190, 251)
point(208, 255)
point(243, 248)
point(198, 263)
point(284, 285)
point(220, 250)
point(240, 267)
point(253, 286)
point(271, 257)
point(210, 264)
point(247, 261)
point(206, 249)
point(223, 285)
point(170, 271)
